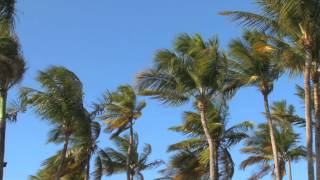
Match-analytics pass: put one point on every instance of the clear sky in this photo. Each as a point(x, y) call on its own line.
point(106, 43)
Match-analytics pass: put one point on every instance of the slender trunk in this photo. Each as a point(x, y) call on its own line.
point(130, 149)
point(272, 138)
point(289, 170)
point(307, 97)
point(88, 167)
point(3, 101)
point(317, 123)
point(63, 156)
point(212, 146)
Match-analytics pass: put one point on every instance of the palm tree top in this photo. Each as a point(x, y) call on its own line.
point(253, 61)
point(12, 64)
point(194, 67)
point(115, 159)
point(291, 18)
point(120, 109)
point(60, 100)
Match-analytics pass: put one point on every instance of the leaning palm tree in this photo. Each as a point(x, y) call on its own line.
point(194, 70)
point(120, 110)
point(258, 146)
point(12, 68)
point(78, 157)
point(60, 102)
point(297, 20)
point(116, 161)
point(191, 155)
point(255, 66)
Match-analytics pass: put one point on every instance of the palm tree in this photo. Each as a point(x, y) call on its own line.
point(260, 151)
point(86, 145)
point(297, 20)
point(12, 68)
point(256, 67)
point(77, 162)
point(121, 109)
point(191, 158)
point(60, 102)
point(196, 70)
point(284, 116)
point(78, 157)
point(116, 161)
point(258, 145)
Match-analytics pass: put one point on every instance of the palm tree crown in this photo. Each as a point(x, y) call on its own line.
point(117, 158)
point(195, 68)
point(61, 103)
point(120, 109)
point(191, 158)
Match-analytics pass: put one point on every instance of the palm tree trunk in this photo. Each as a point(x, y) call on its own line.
point(272, 137)
point(317, 123)
point(289, 170)
point(63, 156)
point(307, 91)
point(88, 168)
point(212, 147)
point(3, 102)
point(129, 160)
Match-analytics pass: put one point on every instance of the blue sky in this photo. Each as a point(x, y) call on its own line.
point(106, 43)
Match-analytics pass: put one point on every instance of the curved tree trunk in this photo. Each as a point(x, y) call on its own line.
point(3, 102)
point(212, 146)
point(130, 149)
point(317, 123)
point(307, 91)
point(272, 138)
point(63, 156)
point(289, 170)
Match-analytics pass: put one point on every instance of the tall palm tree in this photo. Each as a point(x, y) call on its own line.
point(120, 110)
point(191, 159)
point(12, 68)
point(195, 69)
point(257, 67)
point(297, 20)
point(116, 161)
point(259, 148)
point(60, 102)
